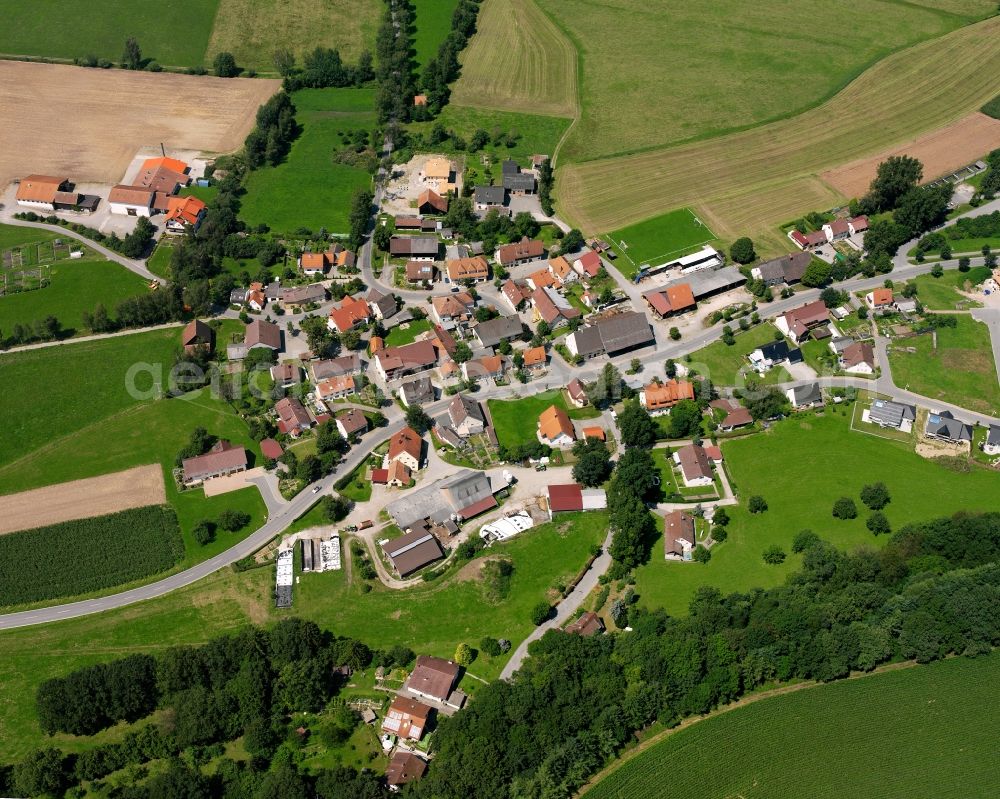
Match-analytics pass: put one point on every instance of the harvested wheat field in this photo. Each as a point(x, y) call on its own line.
point(737, 177)
point(82, 499)
point(88, 123)
point(518, 61)
point(941, 152)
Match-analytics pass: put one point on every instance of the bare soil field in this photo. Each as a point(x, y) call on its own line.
point(82, 499)
point(941, 152)
point(88, 123)
point(735, 180)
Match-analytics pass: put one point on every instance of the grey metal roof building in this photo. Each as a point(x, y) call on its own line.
point(623, 332)
point(521, 181)
point(489, 195)
point(890, 414)
point(708, 282)
point(947, 428)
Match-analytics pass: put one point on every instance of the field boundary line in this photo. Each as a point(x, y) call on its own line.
point(579, 81)
point(610, 769)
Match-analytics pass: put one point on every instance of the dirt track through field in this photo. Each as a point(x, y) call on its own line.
point(82, 499)
point(87, 124)
point(941, 152)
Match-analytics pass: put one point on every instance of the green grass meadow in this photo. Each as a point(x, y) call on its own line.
point(175, 34)
point(516, 421)
point(835, 462)
point(722, 363)
point(960, 370)
point(659, 239)
point(941, 293)
point(309, 189)
point(431, 619)
point(75, 287)
point(919, 731)
point(433, 23)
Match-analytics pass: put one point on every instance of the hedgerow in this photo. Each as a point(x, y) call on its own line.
point(88, 554)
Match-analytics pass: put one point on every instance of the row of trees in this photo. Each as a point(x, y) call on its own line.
point(576, 701)
point(276, 128)
point(444, 68)
point(394, 64)
point(322, 68)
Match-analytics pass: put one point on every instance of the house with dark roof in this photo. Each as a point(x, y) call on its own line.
point(487, 197)
point(787, 269)
point(944, 426)
point(858, 358)
point(303, 295)
point(382, 304)
point(894, 415)
point(771, 354)
point(519, 183)
point(613, 335)
point(416, 248)
point(285, 375)
point(991, 446)
point(412, 551)
point(808, 396)
point(394, 362)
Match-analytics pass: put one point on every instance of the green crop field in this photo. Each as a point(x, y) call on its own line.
point(309, 189)
point(519, 61)
point(658, 240)
point(56, 391)
point(516, 421)
point(253, 29)
point(86, 555)
point(75, 287)
point(919, 731)
point(187, 33)
point(800, 499)
point(433, 23)
point(430, 618)
point(750, 181)
point(960, 370)
point(722, 364)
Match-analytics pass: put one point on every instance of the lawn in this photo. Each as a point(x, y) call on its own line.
point(535, 133)
point(433, 23)
point(75, 287)
point(398, 336)
point(430, 619)
point(842, 462)
point(253, 29)
point(159, 261)
point(516, 421)
point(881, 735)
point(309, 190)
point(175, 34)
point(961, 370)
point(941, 293)
point(748, 182)
point(658, 240)
point(723, 364)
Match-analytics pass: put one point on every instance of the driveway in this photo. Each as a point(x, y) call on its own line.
point(991, 318)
